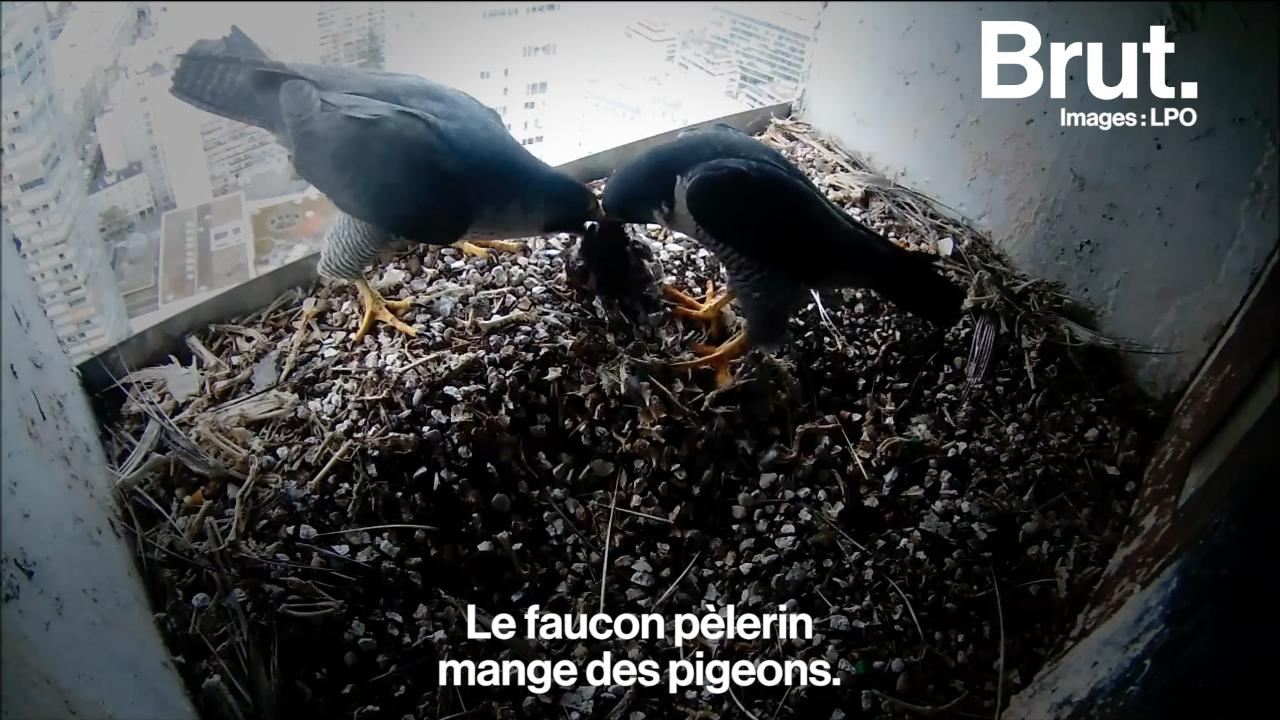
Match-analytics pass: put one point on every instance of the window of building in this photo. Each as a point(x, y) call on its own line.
point(484, 74)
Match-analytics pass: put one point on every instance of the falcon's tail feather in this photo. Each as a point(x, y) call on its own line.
point(909, 280)
point(232, 77)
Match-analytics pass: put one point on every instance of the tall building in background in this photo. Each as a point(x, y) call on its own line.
point(239, 156)
point(84, 59)
point(651, 43)
point(351, 34)
point(710, 64)
point(45, 200)
point(771, 44)
point(645, 90)
point(516, 58)
point(576, 78)
point(127, 127)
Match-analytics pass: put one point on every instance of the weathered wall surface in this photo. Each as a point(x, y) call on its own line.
point(1162, 229)
point(78, 638)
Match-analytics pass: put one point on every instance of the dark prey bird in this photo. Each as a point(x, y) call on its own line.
point(402, 158)
point(778, 236)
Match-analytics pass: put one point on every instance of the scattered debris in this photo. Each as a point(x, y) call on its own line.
point(312, 535)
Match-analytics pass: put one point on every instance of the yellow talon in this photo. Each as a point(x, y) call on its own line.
point(717, 357)
point(376, 309)
point(478, 248)
point(706, 311)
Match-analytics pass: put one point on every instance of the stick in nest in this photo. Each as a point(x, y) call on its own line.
point(671, 590)
point(995, 585)
point(243, 499)
point(901, 594)
point(333, 461)
point(743, 708)
point(608, 541)
point(926, 710)
point(504, 320)
point(826, 319)
point(154, 463)
point(310, 308)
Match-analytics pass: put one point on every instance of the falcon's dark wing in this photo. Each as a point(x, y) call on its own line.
point(233, 77)
point(405, 154)
point(769, 219)
point(394, 167)
point(783, 235)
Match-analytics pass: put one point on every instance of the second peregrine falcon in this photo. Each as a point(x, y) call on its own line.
point(776, 233)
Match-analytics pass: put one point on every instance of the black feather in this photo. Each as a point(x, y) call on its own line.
point(773, 228)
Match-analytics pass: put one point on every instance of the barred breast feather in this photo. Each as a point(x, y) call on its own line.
point(349, 246)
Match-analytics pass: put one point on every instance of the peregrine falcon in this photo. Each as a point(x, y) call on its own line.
point(775, 232)
point(400, 156)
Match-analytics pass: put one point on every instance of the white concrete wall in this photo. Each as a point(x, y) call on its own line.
point(79, 640)
point(1163, 229)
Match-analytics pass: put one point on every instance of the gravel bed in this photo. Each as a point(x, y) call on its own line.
point(312, 517)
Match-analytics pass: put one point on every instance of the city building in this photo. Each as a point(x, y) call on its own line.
point(44, 193)
point(650, 44)
point(771, 44)
point(238, 155)
point(351, 34)
point(618, 111)
point(135, 260)
point(127, 127)
point(707, 63)
point(84, 59)
point(531, 60)
point(204, 248)
point(646, 90)
point(127, 190)
point(288, 228)
point(216, 245)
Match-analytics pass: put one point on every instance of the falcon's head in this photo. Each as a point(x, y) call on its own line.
point(642, 191)
point(570, 205)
